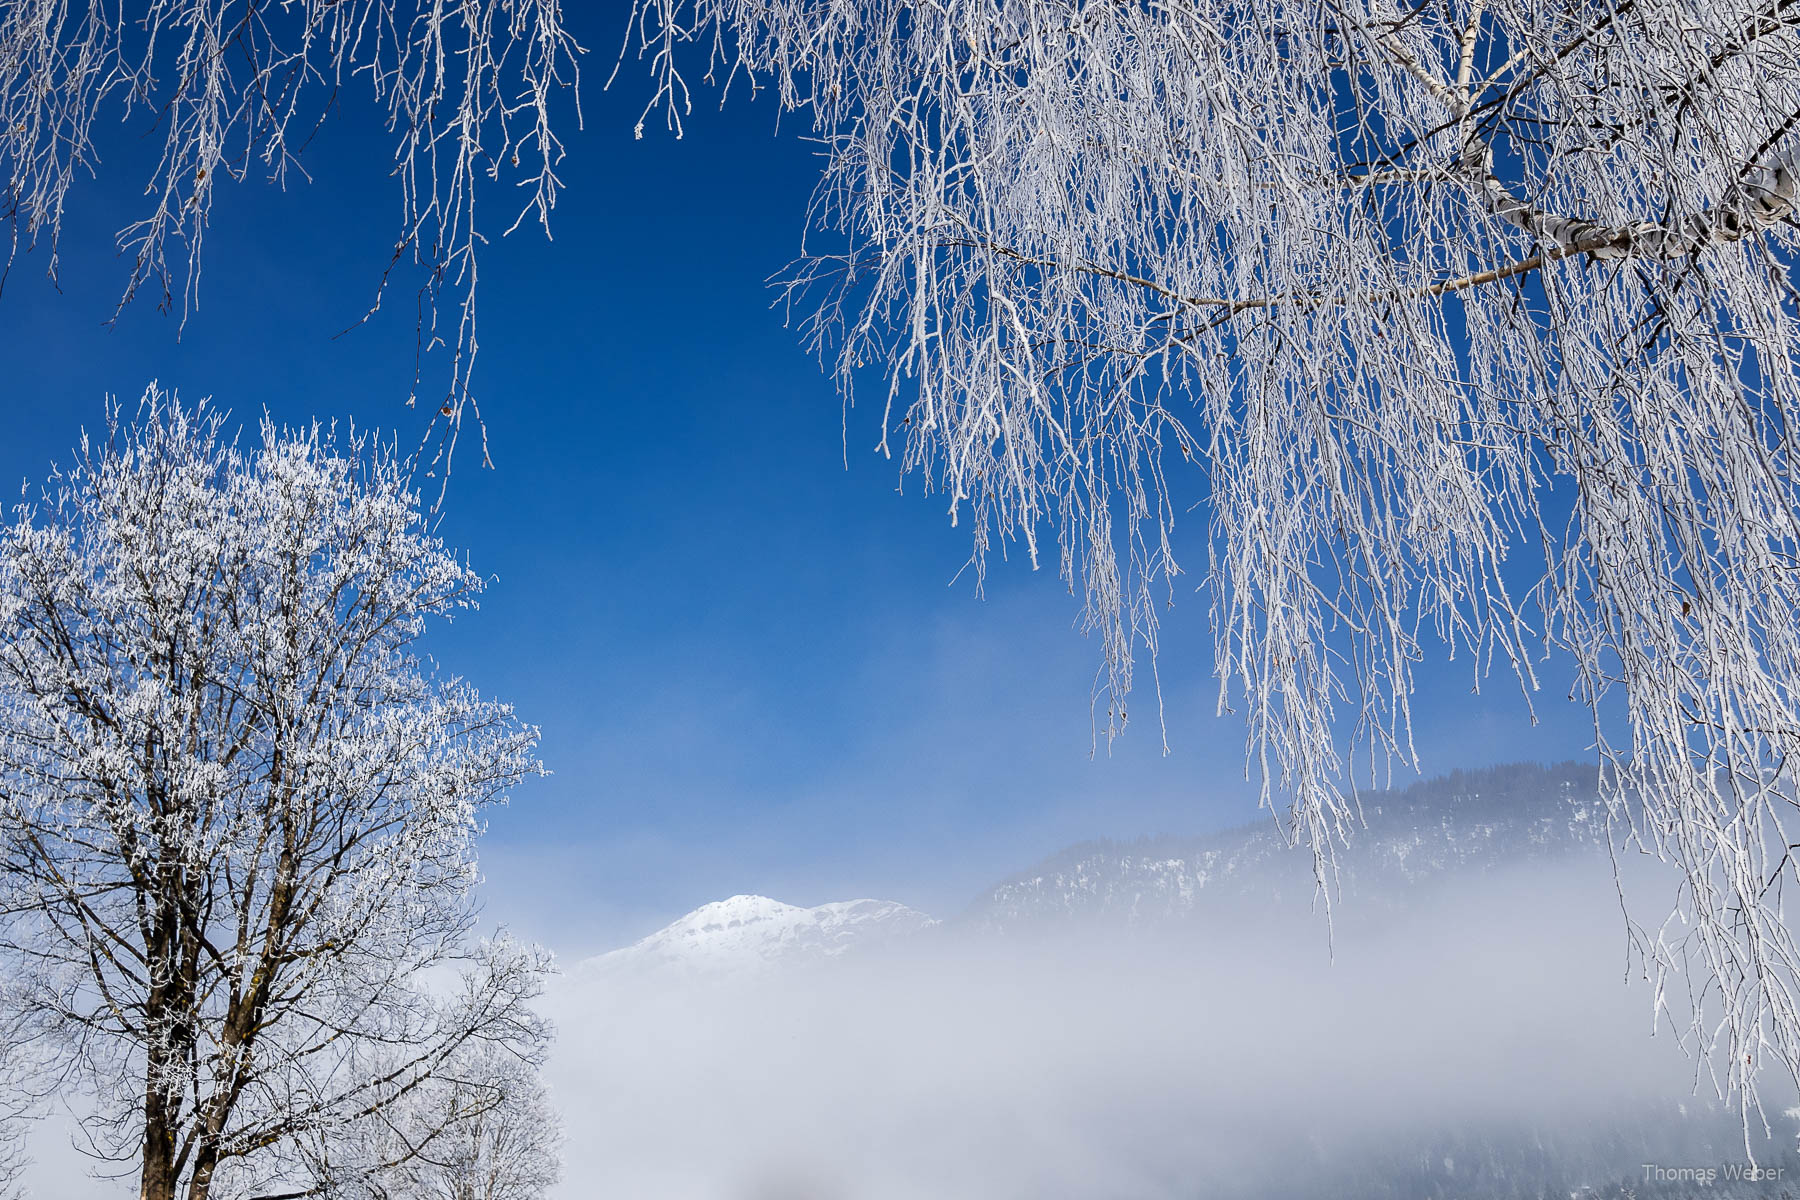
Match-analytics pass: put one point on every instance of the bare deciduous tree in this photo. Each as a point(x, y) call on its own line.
point(20, 1088)
point(236, 809)
point(1472, 324)
point(482, 1129)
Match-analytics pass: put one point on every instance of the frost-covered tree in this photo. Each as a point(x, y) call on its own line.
point(237, 809)
point(1470, 326)
point(482, 1129)
point(20, 1089)
point(230, 90)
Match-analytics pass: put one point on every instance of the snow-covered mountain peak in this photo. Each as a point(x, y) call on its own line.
point(745, 934)
point(727, 919)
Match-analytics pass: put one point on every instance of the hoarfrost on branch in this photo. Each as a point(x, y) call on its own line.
point(1469, 324)
point(467, 91)
point(237, 809)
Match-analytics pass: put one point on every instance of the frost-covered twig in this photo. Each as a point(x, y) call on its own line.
point(467, 90)
point(1470, 328)
point(237, 811)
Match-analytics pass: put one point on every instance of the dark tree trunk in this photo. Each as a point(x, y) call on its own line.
point(158, 1180)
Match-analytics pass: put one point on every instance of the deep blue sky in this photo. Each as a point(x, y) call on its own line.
point(752, 670)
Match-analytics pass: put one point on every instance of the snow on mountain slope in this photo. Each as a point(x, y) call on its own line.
point(1451, 828)
point(1468, 822)
point(749, 934)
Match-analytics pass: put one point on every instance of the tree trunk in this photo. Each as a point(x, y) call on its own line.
point(200, 1187)
point(158, 1179)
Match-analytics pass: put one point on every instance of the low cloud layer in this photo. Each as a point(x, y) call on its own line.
point(1492, 1028)
point(1216, 1064)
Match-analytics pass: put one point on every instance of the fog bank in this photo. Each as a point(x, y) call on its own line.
point(1244, 1059)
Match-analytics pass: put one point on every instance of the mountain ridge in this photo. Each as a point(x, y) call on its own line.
point(1465, 820)
point(1435, 829)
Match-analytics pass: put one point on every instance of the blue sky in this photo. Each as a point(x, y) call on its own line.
point(750, 664)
